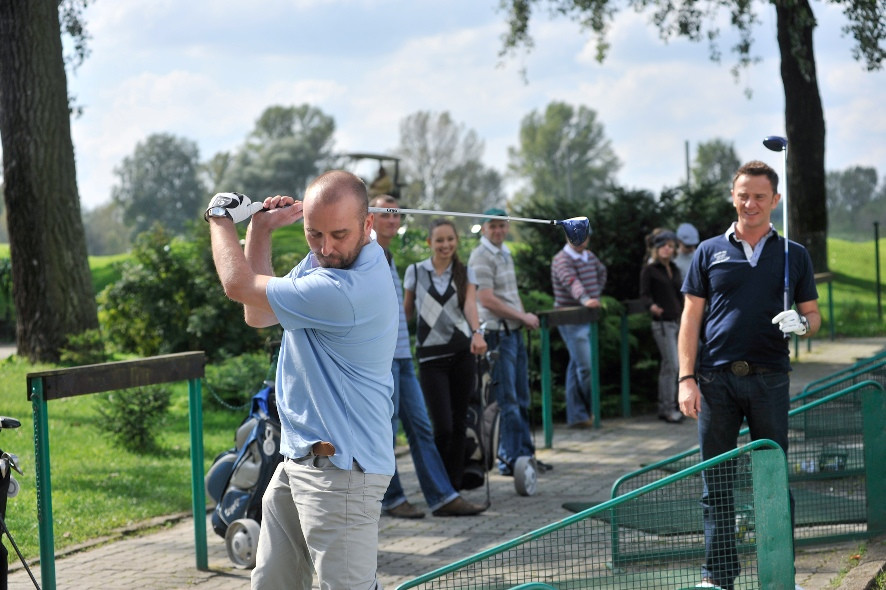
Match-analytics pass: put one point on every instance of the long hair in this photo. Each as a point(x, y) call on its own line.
point(459, 270)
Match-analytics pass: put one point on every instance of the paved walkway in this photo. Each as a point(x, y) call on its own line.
point(586, 464)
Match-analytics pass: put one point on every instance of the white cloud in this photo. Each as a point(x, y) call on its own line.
point(206, 71)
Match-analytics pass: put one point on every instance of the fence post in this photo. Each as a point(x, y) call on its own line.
point(547, 411)
point(44, 486)
point(874, 436)
point(198, 493)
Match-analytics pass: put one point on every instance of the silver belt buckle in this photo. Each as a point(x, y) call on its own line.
point(740, 368)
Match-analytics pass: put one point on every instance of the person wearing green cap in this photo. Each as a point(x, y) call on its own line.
point(501, 310)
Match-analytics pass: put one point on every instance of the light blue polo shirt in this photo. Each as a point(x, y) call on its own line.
point(334, 380)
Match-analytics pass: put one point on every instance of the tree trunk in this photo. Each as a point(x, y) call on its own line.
point(52, 285)
point(804, 122)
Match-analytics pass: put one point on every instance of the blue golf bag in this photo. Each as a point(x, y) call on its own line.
point(238, 477)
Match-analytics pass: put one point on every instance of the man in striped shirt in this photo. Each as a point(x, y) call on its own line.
point(578, 278)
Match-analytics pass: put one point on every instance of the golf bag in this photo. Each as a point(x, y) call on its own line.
point(239, 476)
point(482, 424)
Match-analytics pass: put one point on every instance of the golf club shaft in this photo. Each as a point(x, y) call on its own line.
point(784, 222)
point(458, 214)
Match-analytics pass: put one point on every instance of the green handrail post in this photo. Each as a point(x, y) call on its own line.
point(831, 322)
point(595, 369)
point(874, 437)
point(547, 411)
point(44, 487)
point(625, 351)
point(198, 493)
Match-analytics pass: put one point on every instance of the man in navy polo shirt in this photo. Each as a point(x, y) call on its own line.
point(742, 368)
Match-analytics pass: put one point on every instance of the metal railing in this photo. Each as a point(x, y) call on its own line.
point(61, 383)
point(611, 545)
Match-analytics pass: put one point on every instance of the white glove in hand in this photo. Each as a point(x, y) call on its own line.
point(790, 322)
point(239, 207)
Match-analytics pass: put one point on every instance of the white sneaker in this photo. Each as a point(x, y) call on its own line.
point(706, 584)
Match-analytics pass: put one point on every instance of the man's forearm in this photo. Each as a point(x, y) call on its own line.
point(258, 251)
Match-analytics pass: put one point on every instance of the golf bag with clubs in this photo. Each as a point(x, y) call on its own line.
point(238, 478)
point(482, 424)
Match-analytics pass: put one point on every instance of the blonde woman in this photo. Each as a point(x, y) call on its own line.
point(440, 292)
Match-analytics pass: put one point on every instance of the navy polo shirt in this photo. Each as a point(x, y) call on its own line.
point(743, 298)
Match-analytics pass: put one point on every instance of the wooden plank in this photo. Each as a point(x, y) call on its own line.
point(570, 315)
point(73, 381)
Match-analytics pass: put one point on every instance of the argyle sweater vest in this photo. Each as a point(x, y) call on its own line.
point(442, 328)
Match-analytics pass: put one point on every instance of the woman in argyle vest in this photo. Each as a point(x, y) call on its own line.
point(440, 292)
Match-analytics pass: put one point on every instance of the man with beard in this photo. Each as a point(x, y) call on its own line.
point(338, 310)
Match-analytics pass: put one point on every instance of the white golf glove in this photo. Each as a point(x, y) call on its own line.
point(237, 206)
point(790, 322)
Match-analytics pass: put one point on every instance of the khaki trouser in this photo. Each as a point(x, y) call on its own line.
point(317, 517)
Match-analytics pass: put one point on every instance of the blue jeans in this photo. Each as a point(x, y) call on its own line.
point(727, 400)
point(409, 406)
point(510, 377)
point(578, 372)
point(665, 335)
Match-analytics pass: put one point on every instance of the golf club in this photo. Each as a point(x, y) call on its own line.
point(780, 144)
point(577, 229)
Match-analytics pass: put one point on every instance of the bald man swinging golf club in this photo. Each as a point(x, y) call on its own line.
point(338, 311)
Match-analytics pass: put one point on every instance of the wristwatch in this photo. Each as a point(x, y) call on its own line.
point(480, 331)
point(217, 212)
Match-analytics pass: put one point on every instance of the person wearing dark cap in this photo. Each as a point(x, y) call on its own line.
point(501, 310)
point(687, 241)
point(660, 283)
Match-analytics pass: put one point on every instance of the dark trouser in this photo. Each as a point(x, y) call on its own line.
point(447, 383)
point(727, 400)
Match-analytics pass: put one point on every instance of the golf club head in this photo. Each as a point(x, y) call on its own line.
point(577, 229)
point(775, 143)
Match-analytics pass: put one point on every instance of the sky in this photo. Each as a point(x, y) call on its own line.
point(206, 70)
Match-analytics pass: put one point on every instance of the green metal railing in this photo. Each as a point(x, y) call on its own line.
point(57, 384)
point(837, 465)
point(601, 547)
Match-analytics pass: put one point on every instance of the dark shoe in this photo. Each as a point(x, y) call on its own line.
point(459, 507)
point(583, 424)
point(404, 510)
point(542, 467)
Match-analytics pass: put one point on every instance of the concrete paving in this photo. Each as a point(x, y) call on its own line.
point(586, 462)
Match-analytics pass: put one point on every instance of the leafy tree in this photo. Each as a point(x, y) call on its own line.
point(563, 155)
point(849, 193)
point(804, 118)
point(159, 184)
point(52, 286)
point(105, 231)
point(444, 162)
point(213, 172)
point(715, 164)
point(285, 151)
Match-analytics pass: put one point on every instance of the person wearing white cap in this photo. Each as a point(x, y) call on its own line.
point(687, 241)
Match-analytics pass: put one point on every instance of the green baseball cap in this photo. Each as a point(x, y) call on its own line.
point(493, 211)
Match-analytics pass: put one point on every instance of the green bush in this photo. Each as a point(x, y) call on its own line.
point(232, 382)
point(134, 417)
point(86, 348)
point(168, 299)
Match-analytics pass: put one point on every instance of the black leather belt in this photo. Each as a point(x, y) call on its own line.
point(744, 368)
